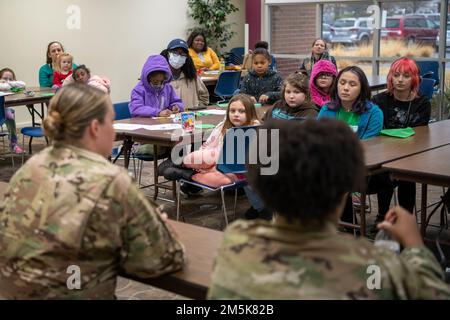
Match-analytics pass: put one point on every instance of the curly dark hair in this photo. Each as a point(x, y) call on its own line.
point(81, 67)
point(188, 68)
point(193, 35)
point(359, 106)
point(314, 172)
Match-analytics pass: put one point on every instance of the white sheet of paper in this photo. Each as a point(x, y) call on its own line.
point(164, 126)
point(214, 111)
point(5, 93)
point(126, 126)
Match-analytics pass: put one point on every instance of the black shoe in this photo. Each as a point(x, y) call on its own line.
point(163, 166)
point(189, 189)
point(251, 214)
point(265, 214)
point(174, 173)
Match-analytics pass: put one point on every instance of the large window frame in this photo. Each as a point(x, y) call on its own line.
point(375, 59)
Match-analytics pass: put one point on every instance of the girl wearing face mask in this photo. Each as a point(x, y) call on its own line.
point(187, 85)
point(319, 52)
point(153, 95)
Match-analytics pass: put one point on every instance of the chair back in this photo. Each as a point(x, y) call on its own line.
point(2, 110)
point(429, 69)
point(227, 83)
point(426, 87)
point(236, 145)
point(122, 111)
point(239, 53)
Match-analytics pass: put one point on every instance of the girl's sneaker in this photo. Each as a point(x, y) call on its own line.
point(16, 149)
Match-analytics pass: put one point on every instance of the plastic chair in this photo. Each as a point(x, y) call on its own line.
point(429, 70)
point(227, 84)
point(32, 132)
point(2, 122)
point(239, 53)
point(426, 87)
point(234, 162)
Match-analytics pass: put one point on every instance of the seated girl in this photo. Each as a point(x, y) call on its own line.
point(83, 74)
point(295, 100)
point(241, 112)
point(7, 82)
point(323, 75)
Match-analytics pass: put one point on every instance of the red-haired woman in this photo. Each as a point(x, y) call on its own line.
point(402, 107)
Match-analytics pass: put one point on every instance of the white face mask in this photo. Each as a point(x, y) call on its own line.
point(176, 61)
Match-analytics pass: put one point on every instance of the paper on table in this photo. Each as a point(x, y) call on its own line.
point(5, 93)
point(165, 126)
point(214, 111)
point(126, 126)
point(131, 126)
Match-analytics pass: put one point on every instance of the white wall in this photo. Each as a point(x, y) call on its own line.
point(115, 38)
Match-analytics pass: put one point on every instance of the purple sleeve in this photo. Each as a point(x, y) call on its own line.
point(137, 104)
point(174, 99)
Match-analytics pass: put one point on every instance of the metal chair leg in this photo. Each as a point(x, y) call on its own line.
point(178, 199)
point(141, 165)
point(222, 192)
point(235, 202)
point(23, 145)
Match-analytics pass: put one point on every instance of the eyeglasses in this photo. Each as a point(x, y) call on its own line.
point(325, 75)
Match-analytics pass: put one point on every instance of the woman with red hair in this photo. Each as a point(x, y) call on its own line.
point(402, 107)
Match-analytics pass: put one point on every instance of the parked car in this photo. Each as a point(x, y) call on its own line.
point(326, 32)
point(411, 29)
point(447, 39)
point(351, 31)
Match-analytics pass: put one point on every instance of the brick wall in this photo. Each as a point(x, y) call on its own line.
point(293, 29)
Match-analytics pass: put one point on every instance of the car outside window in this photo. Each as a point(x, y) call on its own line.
point(393, 23)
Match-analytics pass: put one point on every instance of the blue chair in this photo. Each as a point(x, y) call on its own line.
point(2, 122)
point(32, 132)
point(227, 84)
point(122, 111)
point(239, 53)
point(430, 70)
point(232, 159)
point(426, 87)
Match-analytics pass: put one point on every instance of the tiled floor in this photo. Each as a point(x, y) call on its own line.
point(205, 210)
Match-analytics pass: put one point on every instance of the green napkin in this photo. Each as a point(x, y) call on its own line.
point(225, 105)
point(398, 133)
point(47, 94)
point(200, 114)
point(204, 126)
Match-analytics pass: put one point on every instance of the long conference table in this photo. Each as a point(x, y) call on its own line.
point(381, 150)
point(431, 167)
point(41, 96)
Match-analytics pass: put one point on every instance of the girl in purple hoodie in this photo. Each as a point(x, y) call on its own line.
point(153, 96)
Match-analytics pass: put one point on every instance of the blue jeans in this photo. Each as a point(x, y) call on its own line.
point(254, 198)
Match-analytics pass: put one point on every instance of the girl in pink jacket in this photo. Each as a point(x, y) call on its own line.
point(83, 74)
point(240, 112)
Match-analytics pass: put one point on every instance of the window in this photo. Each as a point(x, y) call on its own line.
point(392, 23)
point(422, 23)
point(363, 24)
point(410, 23)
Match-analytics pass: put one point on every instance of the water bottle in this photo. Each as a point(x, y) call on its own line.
point(222, 65)
point(382, 239)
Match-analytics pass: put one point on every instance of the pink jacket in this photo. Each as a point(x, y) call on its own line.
point(99, 82)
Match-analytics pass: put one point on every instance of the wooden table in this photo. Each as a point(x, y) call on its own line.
point(164, 138)
point(430, 167)
point(381, 150)
point(41, 95)
point(193, 280)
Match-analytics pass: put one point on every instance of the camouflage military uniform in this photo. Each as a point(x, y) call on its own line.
point(259, 260)
point(68, 206)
